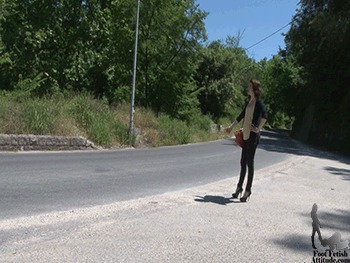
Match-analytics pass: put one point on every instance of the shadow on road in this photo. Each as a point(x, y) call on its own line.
point(295, 242)
point(336, 221)
point(280, 141)
point(345, 173)
point(220, 200)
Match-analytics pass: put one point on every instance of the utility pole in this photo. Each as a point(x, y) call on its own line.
point(132, 103)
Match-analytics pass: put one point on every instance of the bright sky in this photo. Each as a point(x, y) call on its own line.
point(256, 19)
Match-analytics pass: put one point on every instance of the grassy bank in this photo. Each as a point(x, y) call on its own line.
point(105, 125)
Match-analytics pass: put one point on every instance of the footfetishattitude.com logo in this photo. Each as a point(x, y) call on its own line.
point(333, 249)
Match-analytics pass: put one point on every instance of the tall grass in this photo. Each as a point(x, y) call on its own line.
point(10, 116)
point(96, 117)
point(82, 115)
point(38, 116)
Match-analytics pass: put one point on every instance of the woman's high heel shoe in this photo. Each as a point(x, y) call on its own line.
point(245, 196)
point(238, 192)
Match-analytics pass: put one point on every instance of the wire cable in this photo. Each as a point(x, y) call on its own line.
point(268, 36)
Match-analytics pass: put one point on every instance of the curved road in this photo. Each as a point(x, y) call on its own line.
point(32, 183)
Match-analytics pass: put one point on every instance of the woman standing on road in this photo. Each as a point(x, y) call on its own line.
point(255, 116)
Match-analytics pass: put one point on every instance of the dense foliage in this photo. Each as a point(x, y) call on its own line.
point(222, 69)
point(319, 41)
point(50, 47)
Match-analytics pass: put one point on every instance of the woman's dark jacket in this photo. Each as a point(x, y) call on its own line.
point(259, 113)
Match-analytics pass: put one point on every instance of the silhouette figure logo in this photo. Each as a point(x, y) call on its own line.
point(334, 246)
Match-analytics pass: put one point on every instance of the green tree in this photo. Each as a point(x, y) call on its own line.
point(170, 36)
point(281, 79)
point(88, 45)
point(224, 68)
point(62, 42)
point(5, 61)
point(319, 40)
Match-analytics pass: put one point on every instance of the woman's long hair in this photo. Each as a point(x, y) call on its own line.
point(256, 87)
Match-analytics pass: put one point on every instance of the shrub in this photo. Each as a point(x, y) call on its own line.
point(173, 131)
point(197, 121)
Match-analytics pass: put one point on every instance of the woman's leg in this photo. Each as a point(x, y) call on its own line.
point(244, 156)
point(250, 161)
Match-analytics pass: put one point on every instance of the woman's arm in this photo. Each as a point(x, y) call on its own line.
point(229, 128)
point(260, 112)
point(236, 121)
point(261, 125)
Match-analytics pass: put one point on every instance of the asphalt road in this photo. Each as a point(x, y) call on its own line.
point(34, 183)
point(173, 206)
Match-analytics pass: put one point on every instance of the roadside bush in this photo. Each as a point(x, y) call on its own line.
point(200, 122)
point(173, 131)
point(280, 120)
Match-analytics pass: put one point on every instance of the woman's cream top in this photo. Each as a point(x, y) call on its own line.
point(248, 118)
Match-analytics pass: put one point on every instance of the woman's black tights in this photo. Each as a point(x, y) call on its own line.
point(247, 160)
